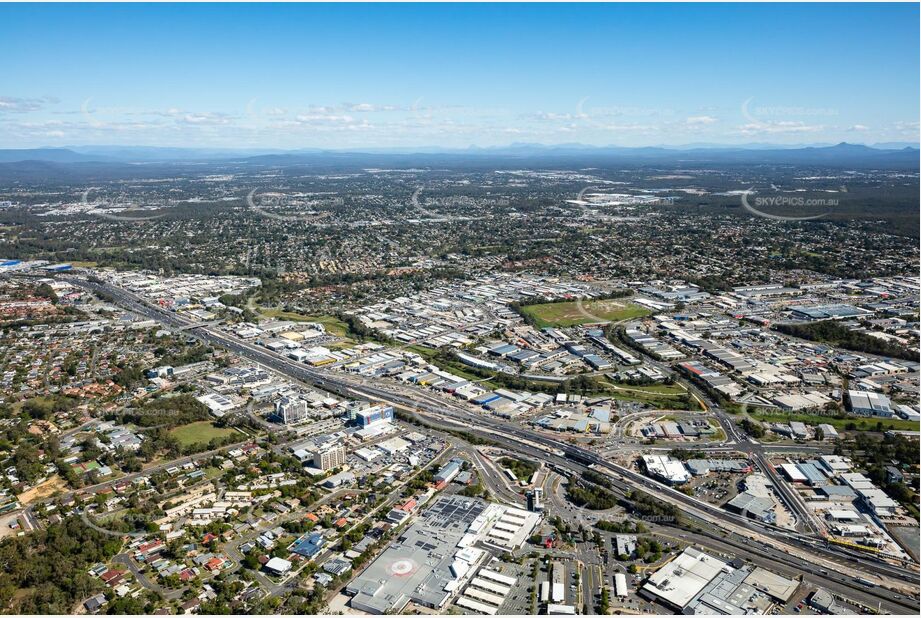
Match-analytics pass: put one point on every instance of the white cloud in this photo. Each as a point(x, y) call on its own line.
point(778, 127)
point(362, 107)
point(554, 116)
point(15, 105)
point(858, 127)
point(697, 121)
point(906, 128)
point(639, 128)
point(371, 107)
point(206, 118)
point(324, 118)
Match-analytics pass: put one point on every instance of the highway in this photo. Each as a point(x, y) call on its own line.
point(784, 545)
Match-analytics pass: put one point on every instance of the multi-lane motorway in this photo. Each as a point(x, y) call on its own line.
point(808, 554)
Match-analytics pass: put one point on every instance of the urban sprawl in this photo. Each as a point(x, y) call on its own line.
point(382, 391)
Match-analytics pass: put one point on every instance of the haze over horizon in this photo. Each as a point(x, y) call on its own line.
point(283, 77)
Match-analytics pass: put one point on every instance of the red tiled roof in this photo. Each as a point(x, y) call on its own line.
point(214, 563)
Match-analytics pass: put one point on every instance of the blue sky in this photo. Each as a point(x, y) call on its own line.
point(353, 75)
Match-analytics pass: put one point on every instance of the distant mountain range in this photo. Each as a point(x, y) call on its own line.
point(890, 155)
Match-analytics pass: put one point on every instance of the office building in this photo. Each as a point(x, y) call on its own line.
point(373, 415)
point(329, 457)
point(535, 499)
point(291, 410)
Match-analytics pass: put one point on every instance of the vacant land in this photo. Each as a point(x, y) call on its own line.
point(572, 313)
point(201, 432)
point(652, 389)
point(833, 333)
point(659, 396)
point(48, 488)
point(839, 423)
point(333, 325)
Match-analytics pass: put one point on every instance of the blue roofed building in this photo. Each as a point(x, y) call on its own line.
point(601, 415)
point(504, 349)
point(448, 471)
point(596, 361)
point(814, 476)
point(309, 545)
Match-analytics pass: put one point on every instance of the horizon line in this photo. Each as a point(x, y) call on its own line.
point(901, 145)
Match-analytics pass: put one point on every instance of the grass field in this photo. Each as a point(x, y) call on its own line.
point(333, 325)
point(422, 350)
point(863, 424)
point(457, 368)
point(659, 396)
point(654, 389)
point(569, 314)
point(201, 432)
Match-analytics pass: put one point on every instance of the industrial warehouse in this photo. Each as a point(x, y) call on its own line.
point(698, 583)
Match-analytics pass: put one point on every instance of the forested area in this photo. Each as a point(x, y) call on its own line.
point(45, 572)
point(837, 334)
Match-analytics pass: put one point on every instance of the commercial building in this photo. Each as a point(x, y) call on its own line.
point(620, 585)
point(368, 455)
point(373, 415)
point(329, 457)
point(218, 404)
point(557, 582)
point(625, 545)
point(555, 609)
point(835, 464)
point(428, 564)
point(535, 499)
point(337, 480)
point(680, 580)
point(291, 410)
point(486, 592)
point(448, 471)
point(824, 602)
point(505, 528)
point(666, 469)
point(698, 583)
point(703, 467)
point(869, 404)
point(828, 312)
point(754, 507)
point(393, 446)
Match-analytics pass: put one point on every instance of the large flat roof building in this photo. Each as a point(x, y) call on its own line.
point(698, 583)
point(680, 580)
point(666, 469)
point(869, 404)
point(426, 565)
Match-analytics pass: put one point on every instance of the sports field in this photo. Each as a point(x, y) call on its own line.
point(572, 313)
point(201, 432)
